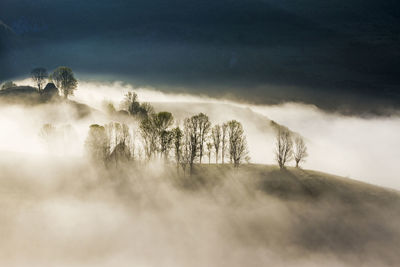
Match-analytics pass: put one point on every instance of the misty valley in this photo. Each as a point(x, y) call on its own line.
point(95, 179)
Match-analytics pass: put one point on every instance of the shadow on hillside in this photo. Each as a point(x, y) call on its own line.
point(287, 185)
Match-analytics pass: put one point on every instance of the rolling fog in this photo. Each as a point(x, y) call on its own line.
point(354, 147)
point(57, 209)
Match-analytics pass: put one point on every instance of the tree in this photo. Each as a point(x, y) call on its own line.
point(130, 103)
point(146, 109)
point(134, 107)
point(162, 121)
point(216, 139)
point(97, 143)
point(166, 138)
point(204, 128)
point(177, 135)
point(118, 133)
point(64, 79)
point(39, 76)
point(209, 150)
point(224, 137)
point(149, 136)
point(284, 147)
point(192, 139)
point(300, 150)
point(7, 85)
point(237, 143)
point(186, 151)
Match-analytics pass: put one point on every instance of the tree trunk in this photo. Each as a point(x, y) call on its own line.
point(191, 169)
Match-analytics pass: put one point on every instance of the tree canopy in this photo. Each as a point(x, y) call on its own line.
point(39, 76)
point(64, 79)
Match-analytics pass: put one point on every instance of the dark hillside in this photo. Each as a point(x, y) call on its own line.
point(29, 96)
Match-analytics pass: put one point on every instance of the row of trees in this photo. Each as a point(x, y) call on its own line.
point(62, 77)
point(155, 137)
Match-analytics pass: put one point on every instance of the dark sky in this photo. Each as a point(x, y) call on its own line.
point(338, 55)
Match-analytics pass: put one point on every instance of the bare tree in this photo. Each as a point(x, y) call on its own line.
point(300, 150)
point(204, 128)
point(131, 104)
point(119, 139)
point(39, 76)
point(224, 140)
point(209, 150)
point(237, 143)
point(166, 139)
point(284, 147)
point(186, 152)
point(192, 139)
point(65, 80)
point(149, 136)
point(162, 121)
point(177, 136)
point(216, 139)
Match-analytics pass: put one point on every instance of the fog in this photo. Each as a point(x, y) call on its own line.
point(59, 209)
point(362, 148)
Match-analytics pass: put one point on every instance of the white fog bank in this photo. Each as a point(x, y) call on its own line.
point(365, 149)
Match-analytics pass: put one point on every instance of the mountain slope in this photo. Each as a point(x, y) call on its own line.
point(256, 215)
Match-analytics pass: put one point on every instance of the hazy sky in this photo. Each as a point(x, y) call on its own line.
point(338, 55)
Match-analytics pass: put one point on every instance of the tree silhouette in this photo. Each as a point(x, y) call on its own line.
point(237, 142)
point(209, 150)
point(192, 140)
point(216, 135)
point(39, 76)
point(224, 140)
point(187, 150)
point(149, 135)
point(177, 136)
point(64, 79)
point(166, 139)
point(131, 104)
point(300, 150)
point(204, 128)
point(284, 147)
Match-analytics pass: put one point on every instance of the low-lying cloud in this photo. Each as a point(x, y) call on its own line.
point(351, 146)
point(59, 209)
point(355, 147)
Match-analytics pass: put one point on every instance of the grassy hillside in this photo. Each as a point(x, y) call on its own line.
point(297, 183)
point(329, 214)
point(148, 215)
point(29, 96)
